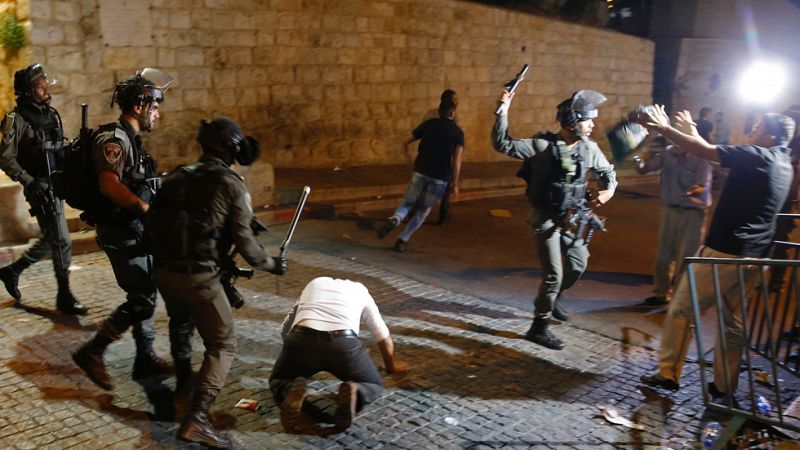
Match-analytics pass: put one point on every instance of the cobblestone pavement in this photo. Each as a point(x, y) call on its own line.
point(474, 382)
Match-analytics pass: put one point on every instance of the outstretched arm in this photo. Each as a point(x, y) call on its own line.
point(656, 119)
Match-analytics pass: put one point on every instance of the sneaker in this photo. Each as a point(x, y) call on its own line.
point(390, 225)
point(346, 404)
point(91, 362)
point(291, 415)
point(400, 246)
point(657, 380)
point(656, 300)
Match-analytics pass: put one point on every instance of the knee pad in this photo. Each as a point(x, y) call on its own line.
point(142, 311)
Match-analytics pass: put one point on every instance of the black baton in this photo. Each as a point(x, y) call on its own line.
point(295, 219)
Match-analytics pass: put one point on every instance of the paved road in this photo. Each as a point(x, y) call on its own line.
point(474, 382)
point(494, 258)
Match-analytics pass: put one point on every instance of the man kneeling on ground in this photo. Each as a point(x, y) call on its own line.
point(320, 333)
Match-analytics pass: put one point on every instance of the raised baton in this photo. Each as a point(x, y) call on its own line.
point(295, 219)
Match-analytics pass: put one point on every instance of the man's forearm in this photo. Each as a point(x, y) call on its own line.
point(114, 190)
point(386, 346)
point(695, 145)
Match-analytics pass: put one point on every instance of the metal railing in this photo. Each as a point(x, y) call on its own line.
point(768, 292)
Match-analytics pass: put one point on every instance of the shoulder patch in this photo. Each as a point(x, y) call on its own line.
point(112, 152)
point(8, 128)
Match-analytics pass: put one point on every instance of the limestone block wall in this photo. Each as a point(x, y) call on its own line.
point(11, 61)
point(326, 83)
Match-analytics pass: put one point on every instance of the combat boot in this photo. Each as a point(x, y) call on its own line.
point(197, 428)
point(183, 377)
point(65, 301)
point(539, 334)
point(560, 313)
point(147, 364)
point(90, 359)
point(11, 281)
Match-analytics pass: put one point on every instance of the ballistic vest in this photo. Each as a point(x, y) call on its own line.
point(179, 225)
point(550, 187)
point(137, 177)
point(41, 142)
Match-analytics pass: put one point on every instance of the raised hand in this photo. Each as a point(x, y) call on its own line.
point(685, 124)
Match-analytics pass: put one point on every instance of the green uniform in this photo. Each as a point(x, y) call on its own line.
point(30, 135)
point(117, 148)
point(552, 164)
point(202, 211)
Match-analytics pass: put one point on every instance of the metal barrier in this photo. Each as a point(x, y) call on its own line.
point(768, 291)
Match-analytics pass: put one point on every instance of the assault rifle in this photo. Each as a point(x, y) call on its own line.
point(584, 218)
point(229, 272)
point(512, 85)
point(47, 204)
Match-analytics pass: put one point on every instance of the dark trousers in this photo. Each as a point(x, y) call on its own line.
point(131, 266)
point(198, 300)
point(55, 239)
point(304, 355)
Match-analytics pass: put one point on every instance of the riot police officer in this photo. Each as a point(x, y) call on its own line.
point(29, 151)
point(126, 178)
point(201, 212)
point(555, 166)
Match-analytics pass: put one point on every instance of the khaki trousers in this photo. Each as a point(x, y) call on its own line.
point(679, 324)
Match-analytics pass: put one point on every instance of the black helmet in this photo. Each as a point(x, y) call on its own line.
point(147, 86)
point(223, 137)
point(23, 79)
point(581, 106)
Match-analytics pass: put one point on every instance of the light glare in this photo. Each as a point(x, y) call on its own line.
point(762, 82)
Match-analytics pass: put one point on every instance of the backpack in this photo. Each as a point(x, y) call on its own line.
point(76, 181)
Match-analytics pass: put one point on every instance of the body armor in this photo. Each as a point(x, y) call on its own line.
point(179, 225)
point(43, 136)
point(550, 185)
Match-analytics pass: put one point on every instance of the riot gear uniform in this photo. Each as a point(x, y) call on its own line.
point(201, 212)
point(118, 149)
point(555, 172)
point(32, 140)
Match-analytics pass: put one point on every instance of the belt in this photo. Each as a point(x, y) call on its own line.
point(189, 269)
point(690, 208)
point(327, 334)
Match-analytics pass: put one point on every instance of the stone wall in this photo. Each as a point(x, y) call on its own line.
point(11, 61)
point(328, 83)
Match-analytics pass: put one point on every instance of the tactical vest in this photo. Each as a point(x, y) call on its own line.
point(41, 141)
point(140, 178)
point(178, 226)
point(548, 186)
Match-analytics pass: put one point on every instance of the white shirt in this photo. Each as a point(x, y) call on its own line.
point(328, 304)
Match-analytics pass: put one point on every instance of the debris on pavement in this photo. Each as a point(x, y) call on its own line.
point(504, 213)
point(248, 404)
point(612, 415)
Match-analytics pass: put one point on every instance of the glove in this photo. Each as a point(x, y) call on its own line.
point(35, 193)
point(280, 265)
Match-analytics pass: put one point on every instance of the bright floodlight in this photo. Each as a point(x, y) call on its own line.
point(762, 82)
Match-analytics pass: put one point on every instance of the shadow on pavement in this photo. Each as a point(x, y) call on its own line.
point(469, 368)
